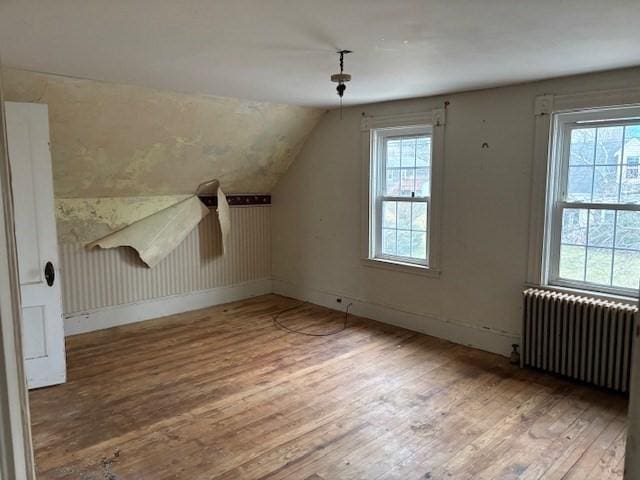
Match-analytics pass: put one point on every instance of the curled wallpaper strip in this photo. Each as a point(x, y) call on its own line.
point(157, 235)
point(212, 188)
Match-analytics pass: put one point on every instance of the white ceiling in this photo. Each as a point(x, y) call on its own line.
point(283, 50)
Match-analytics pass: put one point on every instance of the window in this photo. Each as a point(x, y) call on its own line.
point(401, 194)
point(593, 231)
point(402, 159)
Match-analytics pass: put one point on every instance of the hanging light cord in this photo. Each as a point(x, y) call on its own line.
point(281, 326)
point(341, 77)
point(341, 72)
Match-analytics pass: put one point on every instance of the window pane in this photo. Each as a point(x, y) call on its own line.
point(392, 182)
point(630, 188)
point(408, 152)
point(605, 184)
point(407, 182)
point(393, 153)
point(389, 214)
point(404, 215)
point(601, 226)
point(608, 145)
point(419, 217)
point(574, 226)
point(423, 152)
point(388, 241)
point(404, 243)
point(423, 182)
point(572, 262)
point(628, 230)
point(599, 265)
point(579, 184)
point(583, 141)
point(419, 245)
point(626, 269)
point(631, 131)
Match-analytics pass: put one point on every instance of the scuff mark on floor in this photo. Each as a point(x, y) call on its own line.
point(102, 470)
point(107, 466)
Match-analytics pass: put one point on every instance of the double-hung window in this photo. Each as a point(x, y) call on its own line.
point(593, 219)
point(403, 158)
point(402, 194)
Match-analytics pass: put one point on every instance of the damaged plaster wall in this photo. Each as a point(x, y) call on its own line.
point(82, 220)
point(111, 140)
point(121, 153)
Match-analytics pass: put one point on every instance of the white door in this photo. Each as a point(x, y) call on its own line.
point(35, 226)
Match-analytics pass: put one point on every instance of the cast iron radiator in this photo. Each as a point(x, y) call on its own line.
point(579, 337)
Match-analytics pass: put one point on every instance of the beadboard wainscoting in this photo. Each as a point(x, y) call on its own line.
point(195, 275)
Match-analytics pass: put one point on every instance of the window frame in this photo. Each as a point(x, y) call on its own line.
point(379, 160)
point(371, 127)
point(559, 154)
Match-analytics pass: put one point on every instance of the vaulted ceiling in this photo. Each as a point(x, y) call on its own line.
point(284, 50)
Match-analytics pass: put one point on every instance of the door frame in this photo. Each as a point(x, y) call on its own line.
point(16, 449)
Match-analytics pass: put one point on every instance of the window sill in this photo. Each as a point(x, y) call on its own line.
point(411, 268)
point(588, 293)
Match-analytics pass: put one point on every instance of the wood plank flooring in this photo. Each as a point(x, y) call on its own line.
point(222, 394)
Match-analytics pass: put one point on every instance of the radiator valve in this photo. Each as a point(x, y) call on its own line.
point(515, 355)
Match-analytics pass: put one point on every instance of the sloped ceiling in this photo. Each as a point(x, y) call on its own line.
point(112, 140)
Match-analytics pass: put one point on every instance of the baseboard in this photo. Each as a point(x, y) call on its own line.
point(482, 338)
point(83, 322)
point(471, 335)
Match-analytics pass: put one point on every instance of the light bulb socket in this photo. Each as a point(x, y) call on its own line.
point(340, 77)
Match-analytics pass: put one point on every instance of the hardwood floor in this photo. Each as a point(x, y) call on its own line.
point(222, 393)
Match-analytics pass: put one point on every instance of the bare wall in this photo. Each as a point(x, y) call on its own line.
point(318, 204)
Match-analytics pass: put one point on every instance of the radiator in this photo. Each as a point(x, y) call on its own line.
point(586, 339)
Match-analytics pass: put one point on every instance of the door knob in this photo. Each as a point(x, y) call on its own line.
point(49, 273)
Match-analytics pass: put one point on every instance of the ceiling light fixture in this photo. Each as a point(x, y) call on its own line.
point(341, 78)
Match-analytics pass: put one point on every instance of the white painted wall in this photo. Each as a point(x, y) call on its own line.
point(316, 215)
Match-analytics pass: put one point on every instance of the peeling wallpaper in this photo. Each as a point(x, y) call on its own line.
point(111, 140)
point(82, 220)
